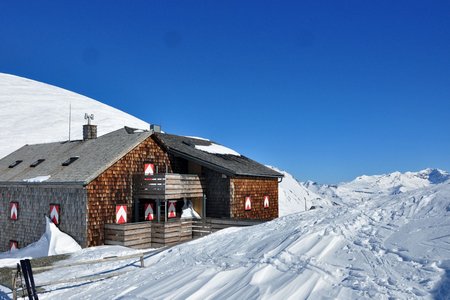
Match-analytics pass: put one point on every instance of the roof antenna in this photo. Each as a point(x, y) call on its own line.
point(89, 118)
point(70, 117)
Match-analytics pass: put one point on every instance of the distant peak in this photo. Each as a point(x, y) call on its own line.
point(435, 176)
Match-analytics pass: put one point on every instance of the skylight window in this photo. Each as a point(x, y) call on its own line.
point(38, 162)
point(70, 160)
point(15, 163)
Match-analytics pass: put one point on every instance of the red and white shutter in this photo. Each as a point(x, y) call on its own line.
point(54, 213)
point(248, 203)
point(14, 210)
point(266, 201)
point(149, 214)
point(121, 214)
point(172, 212)
point(13, 245)
point(149, 169)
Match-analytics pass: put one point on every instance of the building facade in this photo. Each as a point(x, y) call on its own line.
point(80, 184)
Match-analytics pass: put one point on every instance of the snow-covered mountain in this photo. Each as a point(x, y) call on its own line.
point(34, 112)
point(368, 187)
point(295, 196)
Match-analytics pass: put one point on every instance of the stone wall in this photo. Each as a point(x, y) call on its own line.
point(34, 203)
point(256, 188)
point(217, 194)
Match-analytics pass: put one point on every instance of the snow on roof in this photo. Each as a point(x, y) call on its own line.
point(213, 156)
point(38, 179)
point(197, 138)
point(217, 149)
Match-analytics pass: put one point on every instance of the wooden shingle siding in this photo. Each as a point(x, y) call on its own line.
point(217, 194)
point(34, 203)
point(114, 186)
point(256, 188)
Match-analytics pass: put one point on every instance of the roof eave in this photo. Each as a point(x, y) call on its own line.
point(8, 183)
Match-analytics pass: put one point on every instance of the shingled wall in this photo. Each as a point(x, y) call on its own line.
point(34, 203)
point(114, 186)
point(256, 188)
point(217, 194)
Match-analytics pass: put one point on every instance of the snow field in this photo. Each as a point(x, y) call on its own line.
point(363, 250)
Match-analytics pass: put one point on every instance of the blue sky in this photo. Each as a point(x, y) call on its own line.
point(327, 90)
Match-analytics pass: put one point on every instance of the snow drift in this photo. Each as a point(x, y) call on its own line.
point(52, 242)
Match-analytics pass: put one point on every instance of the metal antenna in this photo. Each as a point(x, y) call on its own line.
point(70, 117)
point(89, 118)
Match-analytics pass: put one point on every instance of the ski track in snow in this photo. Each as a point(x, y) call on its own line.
point(389, 247)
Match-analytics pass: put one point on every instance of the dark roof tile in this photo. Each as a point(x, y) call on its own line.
point(225, 163)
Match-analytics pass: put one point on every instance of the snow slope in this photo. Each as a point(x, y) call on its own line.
point(34, 112)
point(294, 197)
point(391, 247)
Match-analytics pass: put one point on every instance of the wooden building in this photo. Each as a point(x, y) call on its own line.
point(83, 185)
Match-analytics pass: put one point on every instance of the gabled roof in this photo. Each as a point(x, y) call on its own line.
point(232, 165)
point(95, 156)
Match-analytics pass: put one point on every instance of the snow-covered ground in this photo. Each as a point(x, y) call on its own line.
point(391, 245)
point(33, 112)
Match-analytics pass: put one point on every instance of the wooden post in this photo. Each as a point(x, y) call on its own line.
point(158, 210)
point(204, 207)
point(165, 211)
point(14, 283)
point(136, 209)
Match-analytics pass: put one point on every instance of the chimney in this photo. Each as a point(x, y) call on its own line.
point(155, 128)
point(89, 130)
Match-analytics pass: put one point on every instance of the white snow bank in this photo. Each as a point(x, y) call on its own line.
point(217, 149)
point(52, 242)
point(38, 179)
point(188, 211)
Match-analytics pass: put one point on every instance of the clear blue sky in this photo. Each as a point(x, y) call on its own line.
point(327, 90)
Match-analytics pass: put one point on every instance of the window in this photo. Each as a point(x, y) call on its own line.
point(15, 163)
point(55, 211)
point(13, 245)
point(38, 162)
point(14, 210)
point(70, 160)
